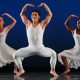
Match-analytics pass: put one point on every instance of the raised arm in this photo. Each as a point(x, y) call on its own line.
point(7, 28)
point(48, 17)
point(23, 16)
point(70, 28)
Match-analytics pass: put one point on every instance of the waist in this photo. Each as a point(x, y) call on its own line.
point(31, 45)
point(76, 47)
point(36, 43)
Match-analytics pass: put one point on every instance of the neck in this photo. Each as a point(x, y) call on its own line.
point(1, 29)
point(35, 22)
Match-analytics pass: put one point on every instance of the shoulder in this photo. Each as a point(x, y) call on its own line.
point(28, 25)
point(42, 25)
point(6, 30)
point(74, 31)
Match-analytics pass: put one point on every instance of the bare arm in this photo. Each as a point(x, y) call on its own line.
point(48, 17)
point(71, 29)
point(12, 24)
point(23, 16)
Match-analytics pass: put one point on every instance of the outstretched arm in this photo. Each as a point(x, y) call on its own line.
point(23, 16)
point(48, 17)
point(71, 29)
point(12, 24)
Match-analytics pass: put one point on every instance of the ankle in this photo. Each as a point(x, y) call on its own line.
point(67, 69)
point(52, 70)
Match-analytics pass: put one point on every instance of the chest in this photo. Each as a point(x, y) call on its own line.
point(32, 30)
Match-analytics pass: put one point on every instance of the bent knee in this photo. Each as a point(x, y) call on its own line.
point(61, 55)
point(54, 54)
point(16, 54)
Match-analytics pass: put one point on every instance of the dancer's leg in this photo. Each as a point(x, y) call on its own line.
point(47, 52)
point(18, 62)
point(19, 55)
point(64, 60)
point(15, 69)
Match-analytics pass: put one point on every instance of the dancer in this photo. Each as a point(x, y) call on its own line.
point(71, 58)
point(35, 31)
point(6, 52)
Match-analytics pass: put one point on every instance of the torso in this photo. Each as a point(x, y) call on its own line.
point(77, 39)
point(35, 35)
point(2, 36)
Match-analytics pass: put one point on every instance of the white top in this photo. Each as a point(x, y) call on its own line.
point(77, 41)
point(35, 35)
point(2, 37)
point(6, 52)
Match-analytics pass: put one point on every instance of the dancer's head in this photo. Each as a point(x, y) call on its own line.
point(78, 23)
point(1, 22)
point(35, 15)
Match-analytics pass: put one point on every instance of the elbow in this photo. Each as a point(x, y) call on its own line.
point(20, 14)
point(50, 14)
point(15, 21)
point(65, 23)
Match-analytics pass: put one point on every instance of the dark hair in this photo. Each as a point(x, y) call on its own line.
point(36, 11)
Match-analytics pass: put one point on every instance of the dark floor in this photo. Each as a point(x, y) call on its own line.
point(40, 76)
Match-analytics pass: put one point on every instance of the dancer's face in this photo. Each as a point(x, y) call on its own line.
point(35, 16)
point(1, 22)
point(78, 24)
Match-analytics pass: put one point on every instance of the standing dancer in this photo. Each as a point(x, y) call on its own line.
point(71, 58)
point(35, 31)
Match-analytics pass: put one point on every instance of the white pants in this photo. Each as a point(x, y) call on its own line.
point(35, 50)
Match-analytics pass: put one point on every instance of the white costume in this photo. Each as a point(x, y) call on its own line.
point(6, 52)
point(72, 55)
point(36, 47)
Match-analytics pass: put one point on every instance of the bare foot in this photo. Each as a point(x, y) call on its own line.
point(54, 78)
point(20, 73)
point(15, 72)
point(54, 73)
point(18, 78)
point(66, 71)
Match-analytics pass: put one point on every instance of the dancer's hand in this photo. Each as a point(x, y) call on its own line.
point(42, 4)
point(8, 27)
point(5, 14)
point(29, 5)
point(74, 16)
